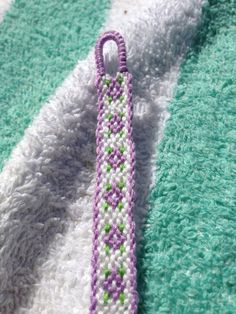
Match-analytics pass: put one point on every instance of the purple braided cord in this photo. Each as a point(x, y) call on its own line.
point(112, 35)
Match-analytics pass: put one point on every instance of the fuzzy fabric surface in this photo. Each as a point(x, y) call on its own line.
point(40, 43)
point(185, 180)
point(188, 258)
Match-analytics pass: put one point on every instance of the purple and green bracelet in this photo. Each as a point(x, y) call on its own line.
point(113, 281)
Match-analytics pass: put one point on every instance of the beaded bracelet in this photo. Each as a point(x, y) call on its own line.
point(113, 261)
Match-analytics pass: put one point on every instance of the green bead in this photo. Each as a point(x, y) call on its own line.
point(108, 187)
point(121, 185)
point(121, 227)
point(122, 297)
point(107, 82)
point(109, 116)
point(122, 167)
point(120, 79)
point(109, 150)
point(122, 271)
point(122, 149)
point(105, 206)
point(122, 248)
point(121, 114)
point(120, 205)
point(105, 297)
point(121, 98)
point(107, 272)
point(107, 227)
point(108, 168)
point(121, 133)
point(107, 249)
point(109, 98)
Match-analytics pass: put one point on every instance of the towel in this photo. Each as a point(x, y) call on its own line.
point(181, 54)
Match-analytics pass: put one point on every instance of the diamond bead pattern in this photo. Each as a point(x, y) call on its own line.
point(114, 284)
point(114, 273)
point(116, 124)
point(114, 238)
point(116, 158)
point(113, 196)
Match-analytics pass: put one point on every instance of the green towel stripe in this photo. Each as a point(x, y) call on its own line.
point(40, 43)
point(187, 263)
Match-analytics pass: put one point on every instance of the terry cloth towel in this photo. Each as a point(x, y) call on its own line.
point(181, 54)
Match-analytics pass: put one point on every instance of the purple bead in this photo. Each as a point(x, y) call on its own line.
point(114, 196)
point(114, 284)
point(116, 158)
point(115, 296)
point(116, 124)
point(115, 90)
point(115, 238)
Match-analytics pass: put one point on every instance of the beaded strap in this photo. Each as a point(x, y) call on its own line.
point(113, 262)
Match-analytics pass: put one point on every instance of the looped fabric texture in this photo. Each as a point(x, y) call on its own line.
point(113, 281)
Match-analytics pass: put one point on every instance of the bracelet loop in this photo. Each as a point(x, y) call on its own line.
point(111, 35)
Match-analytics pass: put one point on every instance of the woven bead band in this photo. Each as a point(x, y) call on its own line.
point(113, 261)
